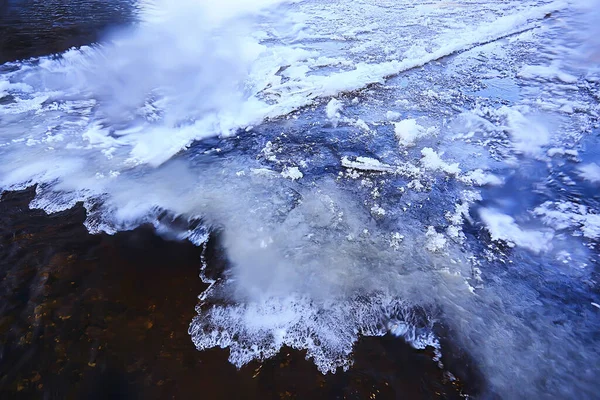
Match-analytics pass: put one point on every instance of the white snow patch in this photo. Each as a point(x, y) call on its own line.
point(432, 161)
point(333, 109)
point(409, 131)
point(503, 227)
point(393, 115)
point(292, 173)
point(567, 215)
point(435, 241)
point(590, 172)
point(359, 123)
point(550, 72)
point(367, 164)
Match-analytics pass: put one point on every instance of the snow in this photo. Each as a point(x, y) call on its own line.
point(432, 161)
point(590, 172)
point(435, 241)
point(567, 215)
point(376, 210)
point(333, 111)
point(503, 227)
point(292, 173)
point(480, 178)
point(409, 131)
point(393, 115)
point(367, 164)
point(546, 72)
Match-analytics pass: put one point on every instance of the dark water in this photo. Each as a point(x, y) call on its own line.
point(85, 316)
point(98, 317)
point(30, 28)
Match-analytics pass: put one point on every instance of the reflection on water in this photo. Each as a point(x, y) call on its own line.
point(30, 28)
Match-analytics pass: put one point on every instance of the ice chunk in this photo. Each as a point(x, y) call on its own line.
point(408, 131)
point(431, 160)
point(435, 241)
point(292, 173)
point(590, 172)
point(367, 164)
point(528, 134)
point(480, 178)
point(503, 227)
point(333, 111)
point(393, 115)
point(551, 72)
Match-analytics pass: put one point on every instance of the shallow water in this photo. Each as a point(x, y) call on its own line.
point(97, 316)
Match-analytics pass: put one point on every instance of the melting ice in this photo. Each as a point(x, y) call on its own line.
point(433, 167)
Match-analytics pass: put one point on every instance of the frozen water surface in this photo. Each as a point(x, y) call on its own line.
point(359, 160)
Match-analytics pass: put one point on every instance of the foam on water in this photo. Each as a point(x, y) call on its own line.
point(334, 221)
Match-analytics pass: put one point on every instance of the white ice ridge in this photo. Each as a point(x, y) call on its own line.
point(239, 85)
point(328, 331)
point(430, 161)
point(365, 73)
point(367, 164)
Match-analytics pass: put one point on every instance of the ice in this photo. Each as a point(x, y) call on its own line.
point(528, 134)
point(333, 111)
point(343, 168)
point(546, 72)
point(567, 215)
point(431, 160)
point(367, 164)
point(408, 131)
point(300, 323)
point(590, 172)
point(292, 173)
point(503, 227)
